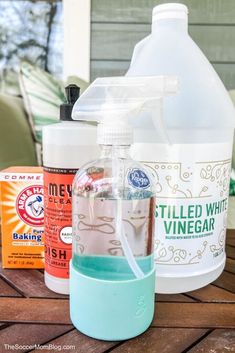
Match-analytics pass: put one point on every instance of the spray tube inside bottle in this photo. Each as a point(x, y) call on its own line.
point(120, 276)
point(118, 104)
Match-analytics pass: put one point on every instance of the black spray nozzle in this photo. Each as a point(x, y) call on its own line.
point(72, 92)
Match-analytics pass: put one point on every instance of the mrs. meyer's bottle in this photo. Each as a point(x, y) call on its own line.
point(189, 155)
point(66, 146)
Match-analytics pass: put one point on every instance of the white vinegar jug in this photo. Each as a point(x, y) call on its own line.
point(189, 154)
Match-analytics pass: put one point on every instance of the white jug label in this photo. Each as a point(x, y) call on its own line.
point(192, 183)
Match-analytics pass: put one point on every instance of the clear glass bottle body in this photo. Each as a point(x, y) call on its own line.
point(103, 190)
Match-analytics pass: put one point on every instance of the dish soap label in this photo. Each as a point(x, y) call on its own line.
point(192, 182)
point(58, 219)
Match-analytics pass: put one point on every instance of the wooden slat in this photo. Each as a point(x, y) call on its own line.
point(230, 265)
point(116, 68)
point(102, 68)
point(230, 251)
point(219, 341)
point(82, 344)
point(226, 72)
point(26, 310)
point(29, 335)
point(161, 340)
point(201, 315)
point(29, 282)
point(56, 311)
point(140, 11)
point(181, 298)
point(226, 281)
point(7, 291)
point(230, 237)
point(116, 41)
point(212, 293)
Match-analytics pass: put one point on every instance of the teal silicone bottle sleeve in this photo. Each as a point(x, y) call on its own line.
point(111, 310)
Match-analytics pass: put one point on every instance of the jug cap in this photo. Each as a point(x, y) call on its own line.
point(171, 10)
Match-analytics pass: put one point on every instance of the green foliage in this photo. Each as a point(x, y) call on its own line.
point(232, 187)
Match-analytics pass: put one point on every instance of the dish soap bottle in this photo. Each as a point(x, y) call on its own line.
point(191, 161)
point(66, 146)
point(112, 269)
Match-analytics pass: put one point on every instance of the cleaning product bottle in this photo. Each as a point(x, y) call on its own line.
point(66, 146)
point(112, 279)
point(191, 161)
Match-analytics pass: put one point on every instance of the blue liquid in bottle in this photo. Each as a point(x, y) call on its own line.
point(98, 190)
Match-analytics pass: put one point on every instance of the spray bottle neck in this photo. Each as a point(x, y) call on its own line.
point(114, 152)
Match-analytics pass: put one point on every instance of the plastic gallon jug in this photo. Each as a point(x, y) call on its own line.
point(189, 154)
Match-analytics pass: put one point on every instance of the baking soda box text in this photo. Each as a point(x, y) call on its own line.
point(22, 217)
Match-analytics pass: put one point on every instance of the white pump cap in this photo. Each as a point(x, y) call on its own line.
point(171, 10)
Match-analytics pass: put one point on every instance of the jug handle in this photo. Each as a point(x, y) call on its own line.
point(138, 47)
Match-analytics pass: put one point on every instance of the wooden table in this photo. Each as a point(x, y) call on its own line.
point(200, 321)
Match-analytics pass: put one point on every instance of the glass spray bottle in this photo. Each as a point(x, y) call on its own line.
point(112, 269)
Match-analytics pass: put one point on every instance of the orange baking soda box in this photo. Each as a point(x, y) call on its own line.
point(22, 217)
